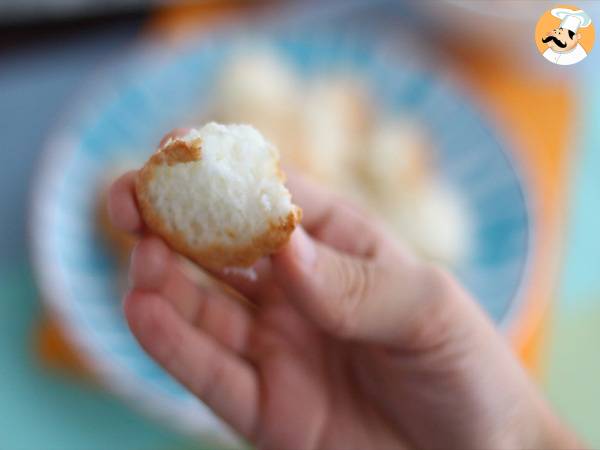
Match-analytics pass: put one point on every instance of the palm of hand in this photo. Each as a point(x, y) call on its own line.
point(310, 383)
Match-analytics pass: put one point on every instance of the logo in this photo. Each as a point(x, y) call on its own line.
point(565, 35)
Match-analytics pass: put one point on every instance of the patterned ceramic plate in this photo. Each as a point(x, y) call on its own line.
point(130, 104)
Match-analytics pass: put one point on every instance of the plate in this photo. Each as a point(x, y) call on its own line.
point(123, 112)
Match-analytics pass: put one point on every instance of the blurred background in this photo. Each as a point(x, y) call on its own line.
point(439, 116)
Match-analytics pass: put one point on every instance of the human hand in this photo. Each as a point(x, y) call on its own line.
point(346, 341)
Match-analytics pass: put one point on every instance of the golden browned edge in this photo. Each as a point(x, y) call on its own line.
point(216, 256)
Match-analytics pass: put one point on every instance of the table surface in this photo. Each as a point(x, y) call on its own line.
point(53, 410)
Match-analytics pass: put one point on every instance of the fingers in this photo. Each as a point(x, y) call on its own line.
point(122, 206)
point(389, 301)
point(155, 268)
point(220, 378)
point(331, 221)
point(149, 264)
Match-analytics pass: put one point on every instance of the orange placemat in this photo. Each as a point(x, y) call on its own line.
point(516, 99)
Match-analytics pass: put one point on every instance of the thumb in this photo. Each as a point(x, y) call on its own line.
point(336, 291)
point(365, 299)
point(329, 287)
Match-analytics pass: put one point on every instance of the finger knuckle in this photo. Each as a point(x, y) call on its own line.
point(202, 306)
point(438, 282)
point(439, 303)
point(207, 386)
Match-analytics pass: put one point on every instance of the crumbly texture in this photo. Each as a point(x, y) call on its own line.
point(217, 196)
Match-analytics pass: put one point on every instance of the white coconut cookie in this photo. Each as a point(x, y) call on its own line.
point(217, 196)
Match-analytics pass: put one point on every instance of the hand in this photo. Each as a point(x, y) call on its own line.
point(346, 341)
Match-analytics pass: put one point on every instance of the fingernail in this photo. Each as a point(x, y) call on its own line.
point(304, 247)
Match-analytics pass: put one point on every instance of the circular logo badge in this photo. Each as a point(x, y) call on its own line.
point(565, 35)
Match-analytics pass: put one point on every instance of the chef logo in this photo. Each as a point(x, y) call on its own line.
point(564, 35)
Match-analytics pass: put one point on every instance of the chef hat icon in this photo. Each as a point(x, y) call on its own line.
point(571, 19)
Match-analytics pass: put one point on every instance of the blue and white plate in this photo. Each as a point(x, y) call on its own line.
point(127, 108)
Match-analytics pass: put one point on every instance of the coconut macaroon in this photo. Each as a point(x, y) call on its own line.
point(217, 196)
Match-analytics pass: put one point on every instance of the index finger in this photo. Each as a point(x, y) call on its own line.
point(122, 204)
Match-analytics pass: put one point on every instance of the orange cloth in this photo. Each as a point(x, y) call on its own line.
point(54, 350)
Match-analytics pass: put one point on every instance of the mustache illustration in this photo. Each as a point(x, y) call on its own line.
point(556, 41)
